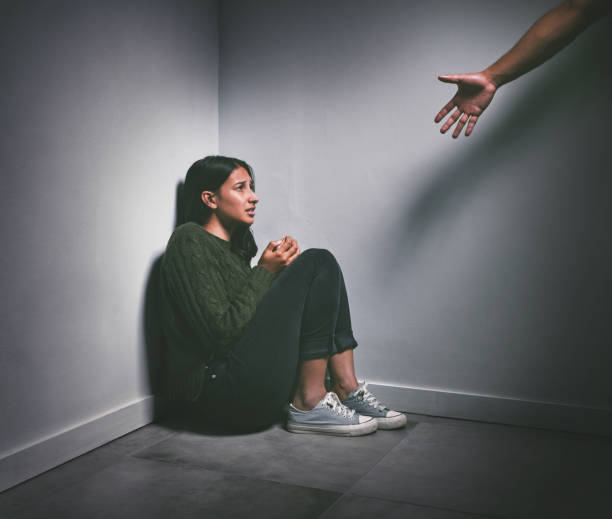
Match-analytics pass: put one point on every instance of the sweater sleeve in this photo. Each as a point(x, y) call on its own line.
point(199, 286)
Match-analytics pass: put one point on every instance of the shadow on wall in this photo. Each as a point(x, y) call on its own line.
point(153, 333)
point(451, 185)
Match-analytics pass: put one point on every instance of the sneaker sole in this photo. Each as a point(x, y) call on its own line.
point(395, 422)
point(334, 430)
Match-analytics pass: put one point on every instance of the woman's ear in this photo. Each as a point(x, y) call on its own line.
point(208, 197)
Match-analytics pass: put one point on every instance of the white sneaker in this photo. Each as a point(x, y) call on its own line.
point(366, 404)
point(329, 416)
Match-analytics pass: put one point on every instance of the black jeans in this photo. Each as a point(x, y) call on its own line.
point(303, 315)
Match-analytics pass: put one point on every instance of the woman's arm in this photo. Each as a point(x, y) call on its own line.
point(198, 283)
point(545, 38)
point(199, 276)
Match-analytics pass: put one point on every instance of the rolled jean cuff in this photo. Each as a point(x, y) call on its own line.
point(326, 347)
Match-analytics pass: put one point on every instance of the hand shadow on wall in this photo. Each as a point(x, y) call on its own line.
point(173, 414)
point(450, 186)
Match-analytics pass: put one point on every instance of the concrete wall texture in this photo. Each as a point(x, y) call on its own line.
point(479, 266)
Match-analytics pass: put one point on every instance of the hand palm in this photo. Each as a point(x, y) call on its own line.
point(474, 93)
point(472, 97)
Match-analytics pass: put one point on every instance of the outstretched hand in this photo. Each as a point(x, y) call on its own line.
point(474, 93)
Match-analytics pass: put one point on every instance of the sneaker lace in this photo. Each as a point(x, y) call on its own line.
point(369, 398)
point(333, 402)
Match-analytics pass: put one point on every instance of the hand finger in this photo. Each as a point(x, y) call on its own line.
point(447, 108)
point(471, 125)
point(287, 243)
point(464, 118)
point(295, 255)
point(450, 121)
point(290, 252)
point(449, 78)
point(284, 249)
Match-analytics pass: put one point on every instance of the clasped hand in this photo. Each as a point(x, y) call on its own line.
point(279, 254)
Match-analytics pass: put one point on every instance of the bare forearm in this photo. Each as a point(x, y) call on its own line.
point(551, 33)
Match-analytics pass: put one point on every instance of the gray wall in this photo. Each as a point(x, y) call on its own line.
point(479, 266)
point(104, 105)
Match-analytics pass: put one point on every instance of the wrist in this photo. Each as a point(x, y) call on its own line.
point(266, 266)
point(494, 79)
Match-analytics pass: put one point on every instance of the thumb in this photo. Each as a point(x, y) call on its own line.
point(450, 78)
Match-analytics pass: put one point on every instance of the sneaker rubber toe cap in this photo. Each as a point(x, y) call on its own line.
point(364, 419)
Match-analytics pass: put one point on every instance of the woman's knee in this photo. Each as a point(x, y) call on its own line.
point(320, 256)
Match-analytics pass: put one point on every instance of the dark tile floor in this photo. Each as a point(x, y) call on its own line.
point(434, 468)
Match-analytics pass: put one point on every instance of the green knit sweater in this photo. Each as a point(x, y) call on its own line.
point(209, 294)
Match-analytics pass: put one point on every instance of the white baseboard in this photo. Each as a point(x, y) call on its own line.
point(545, 415)
point(34, 459)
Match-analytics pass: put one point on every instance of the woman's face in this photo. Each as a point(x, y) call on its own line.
point(236, 199)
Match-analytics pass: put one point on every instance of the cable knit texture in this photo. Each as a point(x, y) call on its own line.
point(208, 294)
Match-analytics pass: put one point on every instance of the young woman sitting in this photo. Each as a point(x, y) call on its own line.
point(249, 343)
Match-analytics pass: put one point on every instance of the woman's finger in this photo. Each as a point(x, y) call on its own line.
point(290, 251)
point(295, 255)
point(285, 243)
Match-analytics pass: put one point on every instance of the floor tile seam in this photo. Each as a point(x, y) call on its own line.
point(389, 453)
point(422, 505)
point(25, 509)
point(381, 459)
point(248, 477)
point(332, 504)
point(150, 445)
point(181, 463)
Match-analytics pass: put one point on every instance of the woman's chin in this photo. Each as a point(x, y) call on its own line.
point(247, 222)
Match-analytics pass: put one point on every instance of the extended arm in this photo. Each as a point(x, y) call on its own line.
point(547, 36)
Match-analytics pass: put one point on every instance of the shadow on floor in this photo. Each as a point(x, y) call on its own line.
point(185, 416)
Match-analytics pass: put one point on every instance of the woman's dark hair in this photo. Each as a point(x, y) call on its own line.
point(209, 174)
